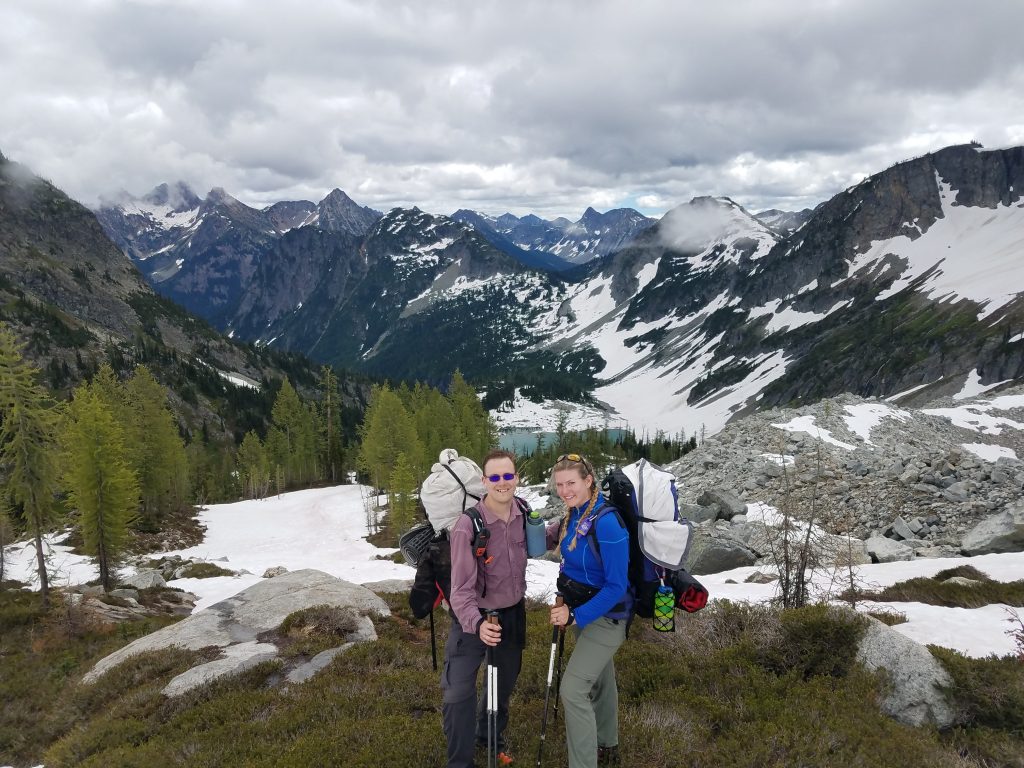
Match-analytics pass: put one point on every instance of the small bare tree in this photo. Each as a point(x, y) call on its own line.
point(1016, 632)
point(814, 536)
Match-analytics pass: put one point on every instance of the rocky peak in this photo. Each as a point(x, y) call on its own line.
point(507, 222)
point(289, 214)
point(340, 213)
point(178, 196)
point(705, 222)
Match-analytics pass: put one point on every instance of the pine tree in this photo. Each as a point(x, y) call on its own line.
point(157, 452)
point(28, 446)
point(98, 477)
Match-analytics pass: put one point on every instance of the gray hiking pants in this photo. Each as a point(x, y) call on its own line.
point(464, 716)
point(590, 697)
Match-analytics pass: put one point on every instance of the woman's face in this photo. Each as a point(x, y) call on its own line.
point(572, 487)
point(501, 489)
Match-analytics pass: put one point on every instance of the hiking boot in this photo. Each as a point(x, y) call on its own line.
point(608, 756)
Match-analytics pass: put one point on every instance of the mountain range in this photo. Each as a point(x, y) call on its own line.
point(903, 286)
point(76, 302)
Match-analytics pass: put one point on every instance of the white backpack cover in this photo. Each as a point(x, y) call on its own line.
point(663, 537)
point(454, 484)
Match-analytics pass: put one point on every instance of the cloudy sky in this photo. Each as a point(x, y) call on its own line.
point(543, 106)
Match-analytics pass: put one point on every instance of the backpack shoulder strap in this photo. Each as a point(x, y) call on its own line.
point(605, 509)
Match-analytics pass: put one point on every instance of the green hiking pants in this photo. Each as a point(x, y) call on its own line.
point(590, 698)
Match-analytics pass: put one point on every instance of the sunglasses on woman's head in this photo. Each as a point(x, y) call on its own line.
point(507, 476)
point(577, 459)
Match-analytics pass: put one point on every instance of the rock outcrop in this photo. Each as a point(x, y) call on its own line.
point(235, 626)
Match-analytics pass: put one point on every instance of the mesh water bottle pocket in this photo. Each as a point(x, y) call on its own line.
point(664, 609)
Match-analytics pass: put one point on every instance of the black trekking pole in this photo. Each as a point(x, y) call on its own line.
point(547, 690)
point(558, 676)
point(492, 701)
point(433, 641)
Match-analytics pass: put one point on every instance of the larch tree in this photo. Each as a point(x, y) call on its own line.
point(253, 467)
point(98, 477)
point(402, 495)
point(387, 431)
point(6, 535)
point(331, 451)
point(435, 425)
point(291, 441)
point(157, 452)
point(476, 433)
point(28, 446)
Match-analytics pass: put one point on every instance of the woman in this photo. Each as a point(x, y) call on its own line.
point(594, 583)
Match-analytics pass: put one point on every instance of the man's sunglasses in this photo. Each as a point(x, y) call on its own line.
point(507, 476)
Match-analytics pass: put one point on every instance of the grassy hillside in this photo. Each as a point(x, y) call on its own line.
point(734, 687)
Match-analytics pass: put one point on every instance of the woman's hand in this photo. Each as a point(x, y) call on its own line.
point(561, 615)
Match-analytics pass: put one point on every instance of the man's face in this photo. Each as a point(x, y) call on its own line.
point(500, 489)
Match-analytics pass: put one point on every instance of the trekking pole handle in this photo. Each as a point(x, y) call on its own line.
point(559, 602)
point(492, 618)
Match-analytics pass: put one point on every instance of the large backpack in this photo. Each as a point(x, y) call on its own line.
point(644, 496)
point(455, 484)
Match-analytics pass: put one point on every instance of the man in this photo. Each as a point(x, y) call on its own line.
point(493, 580)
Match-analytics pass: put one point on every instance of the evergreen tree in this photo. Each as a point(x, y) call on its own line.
point(331, 452)
point(401, 495)
point(253, 467)
point(562, 430)
point(6, 534)
point(27, 446)
point(109, 388)
point(435, 424)
point(157, 452)
point(387, 431)
point(98, 477)
point(475, 432)
point(294, 445)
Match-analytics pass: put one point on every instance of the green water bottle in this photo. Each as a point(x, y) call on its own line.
point(665, 609)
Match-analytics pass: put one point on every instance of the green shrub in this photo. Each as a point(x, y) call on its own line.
point(936, 592)
point(989, 692)
point(204, 571)
point(963, 571)
point(890, 617)
point(312, 630)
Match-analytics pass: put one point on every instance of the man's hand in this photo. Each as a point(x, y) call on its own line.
point(490, 634)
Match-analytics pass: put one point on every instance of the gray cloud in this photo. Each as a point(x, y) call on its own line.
point(526, 107)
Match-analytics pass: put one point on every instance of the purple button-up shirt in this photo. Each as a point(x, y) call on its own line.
point(477, 584)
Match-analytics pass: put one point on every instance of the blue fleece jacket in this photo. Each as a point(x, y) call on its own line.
point(608, 571)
